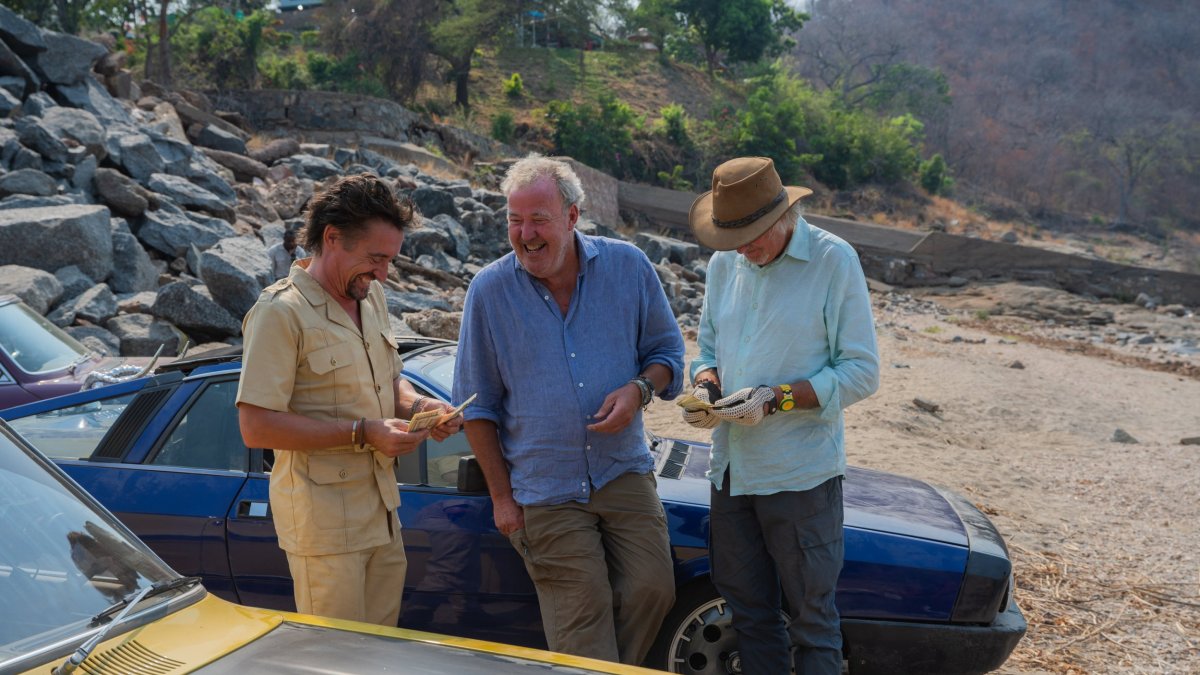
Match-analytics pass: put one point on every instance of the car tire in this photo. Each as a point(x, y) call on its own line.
point(697, 637)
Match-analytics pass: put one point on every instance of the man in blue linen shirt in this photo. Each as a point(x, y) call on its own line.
point(786, 326)
point(565, 340)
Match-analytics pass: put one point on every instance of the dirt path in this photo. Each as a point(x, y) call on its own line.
point(1105, 536)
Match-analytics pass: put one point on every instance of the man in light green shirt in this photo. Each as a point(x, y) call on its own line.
point(786, 330)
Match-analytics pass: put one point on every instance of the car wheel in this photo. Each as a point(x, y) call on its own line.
point(697, 637)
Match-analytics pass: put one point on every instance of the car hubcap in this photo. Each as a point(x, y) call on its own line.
point(706, 644)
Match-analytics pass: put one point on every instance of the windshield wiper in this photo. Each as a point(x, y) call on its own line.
point(85, 650)
point(133, 599)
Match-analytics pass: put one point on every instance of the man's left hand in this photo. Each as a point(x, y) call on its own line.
point(448, 428)
point(618, 409)
point(746, 406)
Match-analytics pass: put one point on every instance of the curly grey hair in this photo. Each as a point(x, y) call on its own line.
point(527, 170)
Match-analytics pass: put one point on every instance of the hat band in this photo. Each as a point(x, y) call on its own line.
point(746, 220)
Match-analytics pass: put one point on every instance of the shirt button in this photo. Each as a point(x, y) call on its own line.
point(378, 389)
point(333, 362)
point(572, 354)
point(342, 473)
point(545, 297)
point(754, 306)
point(746, 339)
point(589, 447)
point(581, 385)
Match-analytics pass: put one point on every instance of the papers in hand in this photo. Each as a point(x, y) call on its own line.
point(692, 404)
point(432, 418)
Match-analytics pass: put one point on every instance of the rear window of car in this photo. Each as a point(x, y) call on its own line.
point(72, 432)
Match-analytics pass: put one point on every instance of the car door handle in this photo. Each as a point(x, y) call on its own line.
point(254, 509)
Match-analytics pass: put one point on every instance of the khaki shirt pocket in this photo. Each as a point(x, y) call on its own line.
point(335, 380)
point(343, 490)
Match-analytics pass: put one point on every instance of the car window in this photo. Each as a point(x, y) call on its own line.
point(72, 432)
point(207, 436)
point(441, 459)
point(35, 344)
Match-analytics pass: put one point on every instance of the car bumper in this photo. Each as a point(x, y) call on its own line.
point(900, 647)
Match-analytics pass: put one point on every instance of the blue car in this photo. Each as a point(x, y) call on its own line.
point(927, 584)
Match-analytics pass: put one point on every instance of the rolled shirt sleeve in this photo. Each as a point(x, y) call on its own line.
point(660, 340)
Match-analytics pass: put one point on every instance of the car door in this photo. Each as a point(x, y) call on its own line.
point(174, 485)
point(464, 577)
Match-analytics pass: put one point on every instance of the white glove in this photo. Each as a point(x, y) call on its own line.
point(704, 419)
point(746, 406)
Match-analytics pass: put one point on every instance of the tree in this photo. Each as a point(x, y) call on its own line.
point(745, 30)
point(389, 39)
point(463, 26)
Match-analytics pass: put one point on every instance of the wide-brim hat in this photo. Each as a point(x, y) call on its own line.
point(746, 199)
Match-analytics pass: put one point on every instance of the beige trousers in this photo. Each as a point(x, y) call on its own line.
point(360, 586)
point(603, 570)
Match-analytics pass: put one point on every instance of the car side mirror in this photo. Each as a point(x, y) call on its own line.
point(470, 475)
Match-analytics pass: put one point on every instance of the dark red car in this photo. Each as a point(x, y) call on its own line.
point(39, 360)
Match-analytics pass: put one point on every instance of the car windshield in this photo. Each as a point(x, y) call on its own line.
point(61, 561)
point(37, 345)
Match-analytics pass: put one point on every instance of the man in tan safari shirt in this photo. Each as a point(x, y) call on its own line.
point(321, 386)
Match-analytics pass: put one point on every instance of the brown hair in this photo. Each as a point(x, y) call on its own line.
point(349, 203)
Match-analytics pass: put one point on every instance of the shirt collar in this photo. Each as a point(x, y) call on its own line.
point(798, 247)
point(309, 287)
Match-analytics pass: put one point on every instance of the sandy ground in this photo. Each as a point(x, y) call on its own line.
point(1104, 535)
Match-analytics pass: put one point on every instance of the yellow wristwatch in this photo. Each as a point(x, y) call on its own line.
point(788, 402)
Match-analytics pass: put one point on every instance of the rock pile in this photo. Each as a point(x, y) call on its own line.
point(133, 216)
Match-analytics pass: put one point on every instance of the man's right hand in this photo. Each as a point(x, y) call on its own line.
point(392, 437)
point(508, 514)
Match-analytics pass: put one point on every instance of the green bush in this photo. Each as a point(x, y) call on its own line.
point(310, 39)
point(280, 71)
point(598, 136)
point(514, 87)
point(675, 180)
point(216, 49)
point(674, 124)
point(799, 128)
point(934, 175)
point(503, 127)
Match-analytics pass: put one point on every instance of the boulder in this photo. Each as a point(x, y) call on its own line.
point(67, 59)
point(276, 150)
point(170, 230)
point(192, 309)
point(211, 176)
point(244, 168)
point(432, 202)
point(95, 305)
point(311, 167)
point(133, 271)
point(56, 236)
point(191, 196)
point(401, 303)
point(142, 334)
point(20, 34)
point(193, 115)
point(15, 86)
point(27, 182)
point(20, 201)
point(289, 196)
point(254, 206)
point(91, 96)
point(212, 136)
point(435, 323)
point(73, 281)
point(656, 248)
point(460, 242)
point(134, 152)
point(96, 339)
point(37, 288)
point(167, 122)
point(11, 65)
point(442, 262)
point(425, 241)
point(8, 103)
point(122, 194)
point(83, 178)
point(34, 135)
point(235, 271)
point(137, 303)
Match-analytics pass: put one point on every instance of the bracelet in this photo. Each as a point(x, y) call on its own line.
point(417, 404)
point(360, 440)
point(646, 387)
